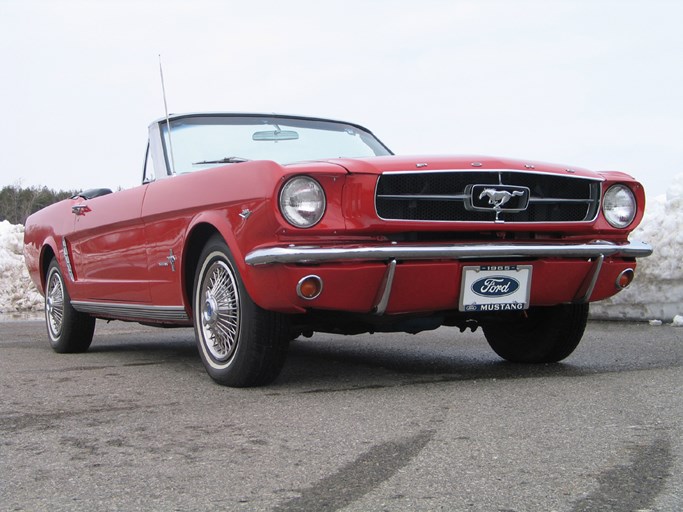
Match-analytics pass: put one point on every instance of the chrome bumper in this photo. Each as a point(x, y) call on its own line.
point(314, 254)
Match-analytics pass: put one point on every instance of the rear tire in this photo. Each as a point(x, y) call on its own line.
point(68, 330)
point(542, 335)
point(240, 344)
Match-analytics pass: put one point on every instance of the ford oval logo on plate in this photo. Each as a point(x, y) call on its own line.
point(495, 286)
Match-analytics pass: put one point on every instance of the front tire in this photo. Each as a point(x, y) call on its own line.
point(542, 335)
point(68, 330)
point(240, 344)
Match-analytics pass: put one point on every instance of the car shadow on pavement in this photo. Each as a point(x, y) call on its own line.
point(325, 364)
point(333, 363)
point(181, 349)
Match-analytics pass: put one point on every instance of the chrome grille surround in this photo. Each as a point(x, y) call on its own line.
point(444, 196)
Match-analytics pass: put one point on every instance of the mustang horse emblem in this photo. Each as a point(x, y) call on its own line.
point(499, 197)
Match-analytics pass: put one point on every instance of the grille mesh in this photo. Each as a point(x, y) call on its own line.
point(443, 196)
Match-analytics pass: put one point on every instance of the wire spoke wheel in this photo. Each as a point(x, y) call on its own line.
point(220, 311)
point(68, 330)
point(239, 343)
point(54, 304)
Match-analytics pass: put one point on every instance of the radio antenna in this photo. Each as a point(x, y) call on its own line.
point(168, 122)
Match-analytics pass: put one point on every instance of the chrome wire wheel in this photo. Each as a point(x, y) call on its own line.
point(69, 331)
point(239, 343)
point(54, 304)
point(219, 311)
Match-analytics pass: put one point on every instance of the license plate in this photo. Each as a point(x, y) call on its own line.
point(495, 288)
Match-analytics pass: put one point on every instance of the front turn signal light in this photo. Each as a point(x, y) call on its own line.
point(625, 278)
point(309, 287)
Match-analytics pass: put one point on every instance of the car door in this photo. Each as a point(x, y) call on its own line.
point(109, 248)
point(167, 214)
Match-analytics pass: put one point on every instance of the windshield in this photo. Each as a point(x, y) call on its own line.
point(203, 141)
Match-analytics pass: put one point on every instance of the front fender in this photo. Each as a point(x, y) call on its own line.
point(243, 226)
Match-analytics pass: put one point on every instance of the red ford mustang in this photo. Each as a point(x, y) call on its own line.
point(258, 228)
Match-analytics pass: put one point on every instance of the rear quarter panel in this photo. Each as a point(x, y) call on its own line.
point(43, 233)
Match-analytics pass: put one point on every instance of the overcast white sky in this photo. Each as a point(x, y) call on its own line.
point(596, 84)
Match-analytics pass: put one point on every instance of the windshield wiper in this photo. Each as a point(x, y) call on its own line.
point(226, 160)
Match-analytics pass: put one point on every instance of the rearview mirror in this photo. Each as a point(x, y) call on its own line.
point(275, 135)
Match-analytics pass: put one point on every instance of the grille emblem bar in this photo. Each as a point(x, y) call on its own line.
point(499, 198)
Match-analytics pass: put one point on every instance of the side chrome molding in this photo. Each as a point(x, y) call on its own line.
point(132, 311)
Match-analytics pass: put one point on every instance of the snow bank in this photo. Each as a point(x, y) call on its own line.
point(657, 290)
point(17, 292)
point(656, 293)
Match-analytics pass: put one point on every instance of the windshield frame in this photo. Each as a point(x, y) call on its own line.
point(258, 120)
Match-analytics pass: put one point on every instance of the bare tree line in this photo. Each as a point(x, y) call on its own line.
point(17, 203)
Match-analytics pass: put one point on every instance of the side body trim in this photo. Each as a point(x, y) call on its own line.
point(133, 311)
point(67, 259)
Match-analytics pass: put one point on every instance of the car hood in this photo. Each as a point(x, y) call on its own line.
point(378, 165)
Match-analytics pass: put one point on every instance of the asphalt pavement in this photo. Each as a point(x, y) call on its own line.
point(388, 422)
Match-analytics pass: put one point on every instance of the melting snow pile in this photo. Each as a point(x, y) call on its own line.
point(656, 293)
point(17, 292)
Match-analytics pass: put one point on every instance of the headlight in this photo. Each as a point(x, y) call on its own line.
point(619, 206)
point(302, 202)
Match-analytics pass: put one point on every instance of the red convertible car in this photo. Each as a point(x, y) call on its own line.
point(258, 228)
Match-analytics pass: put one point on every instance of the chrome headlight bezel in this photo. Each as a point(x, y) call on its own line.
point(302, 201)
point(619, 206)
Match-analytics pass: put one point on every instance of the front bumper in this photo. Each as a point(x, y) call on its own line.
point(394, 251)
point(403, 278)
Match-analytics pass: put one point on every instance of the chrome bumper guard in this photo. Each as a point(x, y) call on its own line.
point(394, 251)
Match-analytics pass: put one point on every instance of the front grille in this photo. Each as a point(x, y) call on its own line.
point(447, 196)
